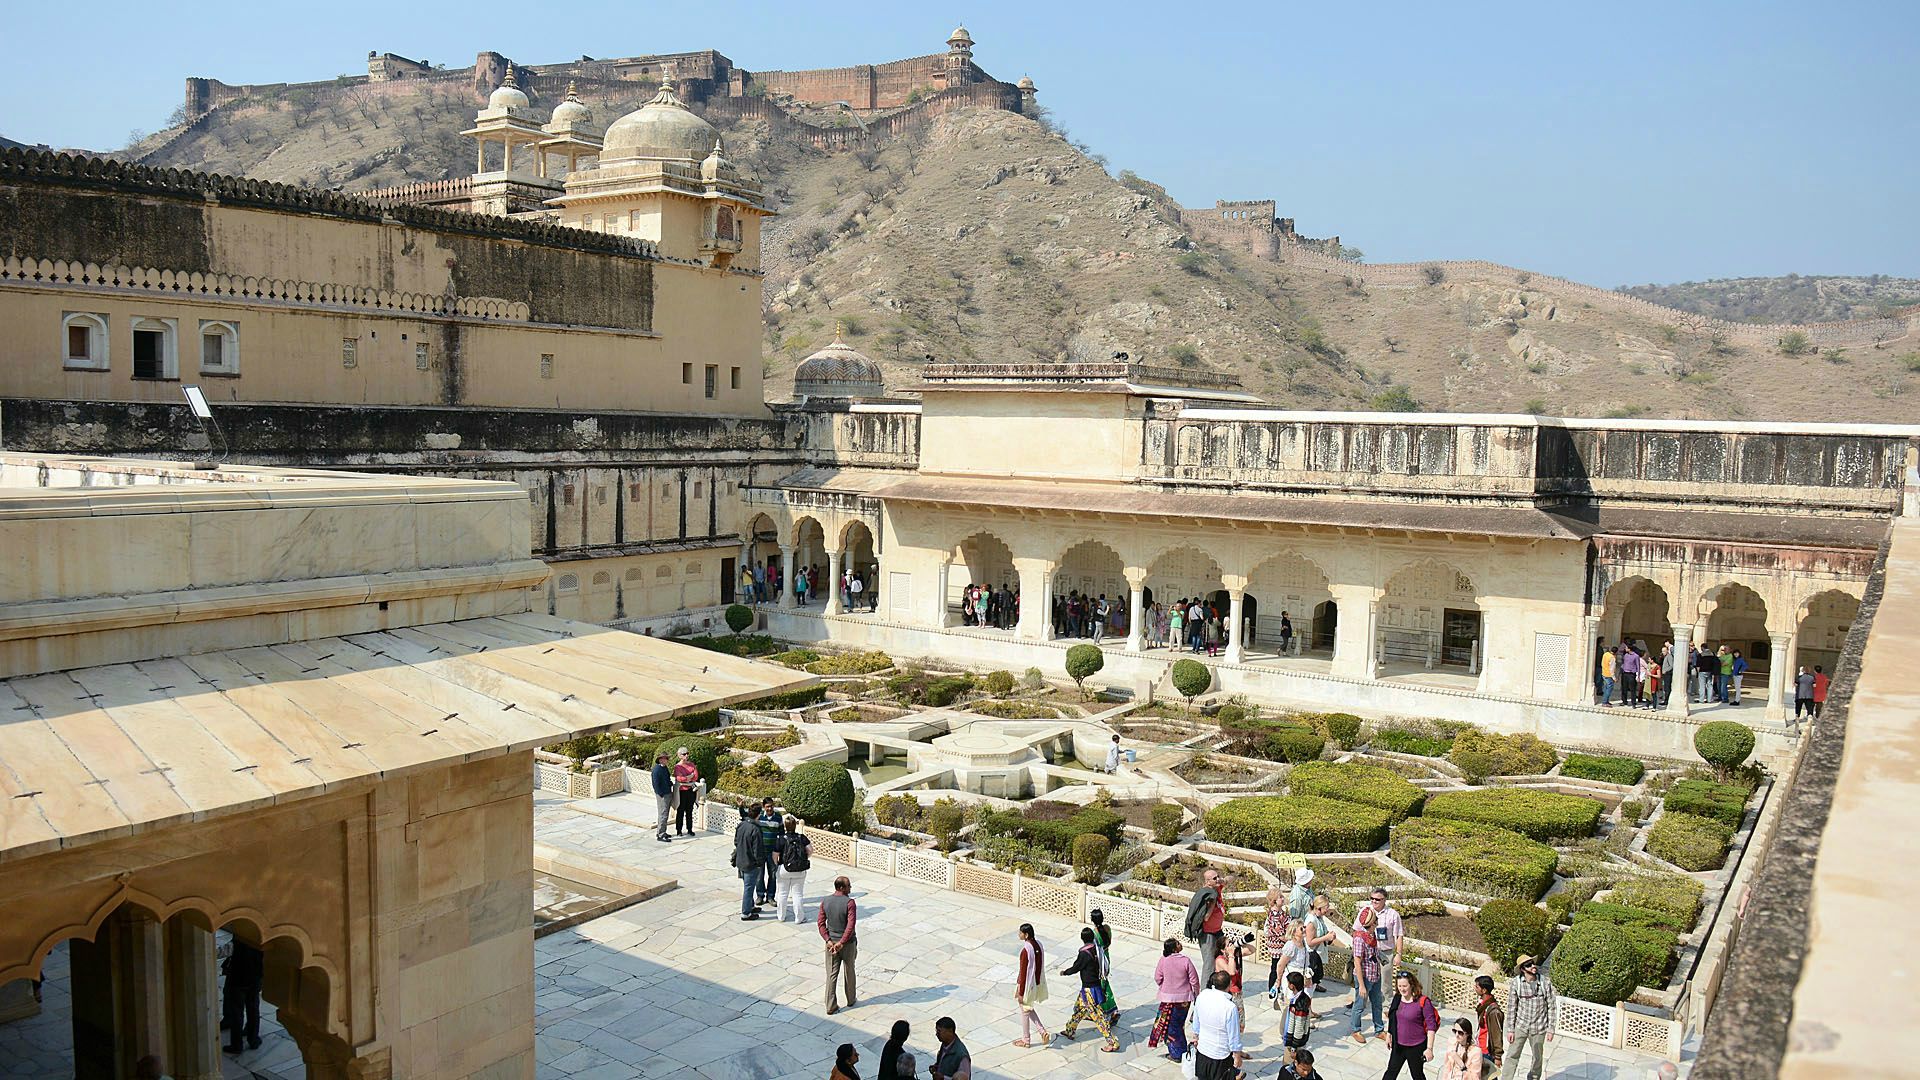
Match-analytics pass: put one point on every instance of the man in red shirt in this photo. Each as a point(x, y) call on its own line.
point(1206, 916)
point(1820, 681)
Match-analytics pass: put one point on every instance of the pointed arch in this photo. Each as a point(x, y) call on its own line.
point(1288, 587)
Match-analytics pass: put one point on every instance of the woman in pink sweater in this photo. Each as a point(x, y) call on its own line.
point(1179, 984)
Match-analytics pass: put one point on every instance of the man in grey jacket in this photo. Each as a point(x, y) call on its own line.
point(749, 860)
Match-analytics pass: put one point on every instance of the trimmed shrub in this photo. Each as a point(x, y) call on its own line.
point(1368, 785)
point(1689, 841)
point(1422, 738)
point(1652, 953)
point(1292, 743)
point(755, 780)
point(1090, 851)
point(1476, 858)
point(1632, 812)
point(1561, 906)
point(795, 658)
point(1542, 815)
point(945, 819)
point(1725, 803)
point(945, 691)
point(899, 811)
point(1512, 928)
point(1342, 728)
point(1303, 823)
point(1231, 717)
point(1057, 836)
point(1083, 661)
point(736, 645)
point(1595, 962)
point(739, 617)
point(1167, 819)
point(636, 751)
point(1481, 754)
point(819, 793)
point(1675, 896)
point(702, 751)
point(1191, 678)
point(853, 663)
point(1723, 744)
point(997, 682)
point(1625, 915)
point(1611, 770)
point(1033, 679)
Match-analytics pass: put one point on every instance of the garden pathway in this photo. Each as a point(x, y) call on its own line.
point(679, 986)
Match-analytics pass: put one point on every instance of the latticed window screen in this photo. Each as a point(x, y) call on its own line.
point(1550, 658)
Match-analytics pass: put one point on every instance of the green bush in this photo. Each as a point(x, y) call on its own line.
point(852, 663)
point(1652, 943)
point(739, 617)
point(1293, 743)
point(1632, 812)
point(997, 682)
point(1512, 928)
point(1476, 858)
point(1481, 754)
point(1054, 837)
point(1191, 678)
point(1090, 852)
point(899, 811)
point(1016, 710)
point(1561, 906)
point(1342, 728)
point(1368, 785)
point(1542, 815)
point(819, 793)
point(945, 820)
point(1595, 962)
point(1725, 803)
point(1689, 841)
point(1723, 744)
point(945, 691)
point(1675, 896)
point(1083, 661)
point(1303, 823)
point(702, 751)
point(1167, 819)
point(1422, 738)
point(636, 751)
point(735, 645)
point(1612, 770)
point(755, 780)
point(795, 658)
point(1033, 679)
point(1626, 915)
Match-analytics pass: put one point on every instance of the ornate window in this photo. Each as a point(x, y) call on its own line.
point(219, 348)
point(568, 584)
point(349, 352)
point(603, 578)
point(420, 360)
point(83, 340)
point(546, 365)
point(155, 348)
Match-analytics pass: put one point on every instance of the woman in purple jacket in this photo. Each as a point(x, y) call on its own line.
point(1411, 1023)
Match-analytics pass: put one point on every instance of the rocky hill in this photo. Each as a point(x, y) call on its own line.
point(1790, 299)
point(987, 236)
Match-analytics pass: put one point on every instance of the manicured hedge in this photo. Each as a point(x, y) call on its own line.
point(819, 793)
point(1674, 895)
point(1303, 823)
point(1475, 858)
point(1611, 770)
point(1723, 744)
point(1342, 728)
point(1625, 915)
point(1725, 803)
point(1689, 841)
point(1167, 818)
point(1368, 785)
point(1542, 815)
point(851, 663)
point(1055, 836)
point(707, 719)
point(1512, 928)
point(1652, 944)
point(1481, 754)
point(1412, 742)
point(1595, 962)
point(702, 751)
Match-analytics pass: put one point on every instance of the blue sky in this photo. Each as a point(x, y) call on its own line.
point(1613, 143)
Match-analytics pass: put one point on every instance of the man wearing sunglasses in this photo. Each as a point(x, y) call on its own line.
point(1531, 1011)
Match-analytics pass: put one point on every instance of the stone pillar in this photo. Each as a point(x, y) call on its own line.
point(1779, 679)
point(193, 1021)
point(118, 983)
point(1680, 695)
point(1136, 617)
point(1034, 575)
point(1583, 660)
point(1353, 635)
point(940, 584)
point(833, 582)
point(1236, 632)
point(786, 576)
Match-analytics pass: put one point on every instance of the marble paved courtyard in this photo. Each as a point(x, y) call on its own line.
point(679, 986)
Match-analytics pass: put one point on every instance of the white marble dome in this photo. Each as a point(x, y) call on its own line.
point(572, 111)
point(507, 95)
point(662, 128)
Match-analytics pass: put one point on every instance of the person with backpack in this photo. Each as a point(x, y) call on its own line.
point(1493, 1023)
point(1206, 915)
point(1088, 1005)
point(1412, 1022)
point(792, 856)
point(749, 856)
point(1298, 1023)
point(770, 827)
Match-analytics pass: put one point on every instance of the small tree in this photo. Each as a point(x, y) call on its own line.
point(1090, 851)
point(1191, 678)
point(1167, 818)
point(1724, 744)
point(739, 617)
point(1434, 273)
point(944, 821)
point(1795, 343)
point(1082, 662)
point(819, 793)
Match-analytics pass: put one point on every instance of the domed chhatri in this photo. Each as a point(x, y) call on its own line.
point(838, 371)
point(662, 128)
point(572, 112)
point(508, 95)
point(716, 166)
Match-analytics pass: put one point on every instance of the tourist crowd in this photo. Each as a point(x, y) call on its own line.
point(1632, 675)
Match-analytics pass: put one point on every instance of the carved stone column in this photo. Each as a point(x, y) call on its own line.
point(940, 583)
point(1136, 616)
point(193, 1023)
point(1779, 678)
point(833, 582)
point(1680, 694)
point(1353, 634)
point(786, 576)
point(118, 982)
point(1035, 575)
point(1236, 632)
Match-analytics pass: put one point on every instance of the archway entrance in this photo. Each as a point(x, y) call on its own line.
point(985, 561)
point(1429, 616)
point(1824, 624)
point(1088, 573)
point(1326, 622)
point(1189, 574)
point(1292, 586)
point(1638, 611)
point(1739, 621)
point(810, 558)
point(763, 556)
point(859, 559)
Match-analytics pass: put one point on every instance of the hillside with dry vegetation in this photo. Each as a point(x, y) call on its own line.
point(987, 236)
